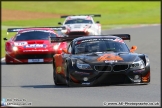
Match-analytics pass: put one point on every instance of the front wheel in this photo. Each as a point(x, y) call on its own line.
point(68, 78)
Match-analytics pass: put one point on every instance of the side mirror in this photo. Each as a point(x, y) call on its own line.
point(5, 39)
point(59, 23)
point(133, 48)
point(65, 51)
point(97, 21)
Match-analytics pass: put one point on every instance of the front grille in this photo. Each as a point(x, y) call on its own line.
point(122, 67)
point(33, 56)
point(103, 68)
point(77, 33)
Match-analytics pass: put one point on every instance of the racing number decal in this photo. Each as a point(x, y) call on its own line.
point(109, 57)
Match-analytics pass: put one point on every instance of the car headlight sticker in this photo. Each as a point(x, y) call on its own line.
point(138, 64)
point(81, 65)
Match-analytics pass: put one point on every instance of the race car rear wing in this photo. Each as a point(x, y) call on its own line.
point(18, 29)
point(70, 38)
point(93, 15)
point(123, 36)
point(63, 39)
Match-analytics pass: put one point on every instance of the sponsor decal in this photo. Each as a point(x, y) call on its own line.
point(20, 43)
point(34, 50)
point(86, 83)
point(137, 81)
point(110, 61)
point(35, 46)
point(58, 69)
point(90, 40)
point(109, 57)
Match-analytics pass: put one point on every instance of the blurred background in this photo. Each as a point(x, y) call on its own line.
point(113, 14)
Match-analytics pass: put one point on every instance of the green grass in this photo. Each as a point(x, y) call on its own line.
point(3, 34)
point(113, 13)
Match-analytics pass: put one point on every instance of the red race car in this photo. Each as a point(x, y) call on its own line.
point(32, 45)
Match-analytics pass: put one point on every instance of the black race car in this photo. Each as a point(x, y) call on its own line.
point(98, 60)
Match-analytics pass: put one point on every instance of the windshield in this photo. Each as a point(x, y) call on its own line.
point(34, 35)
point(101, 46)
point(74, 21)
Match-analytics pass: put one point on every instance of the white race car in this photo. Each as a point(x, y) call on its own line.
point(81, 25)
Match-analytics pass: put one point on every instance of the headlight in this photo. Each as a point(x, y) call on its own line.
point(55, 47)
point(138, 64)
point(63, 31)
point(147, 61)
point(90, 30)
point(14, 48)
point(81, 65)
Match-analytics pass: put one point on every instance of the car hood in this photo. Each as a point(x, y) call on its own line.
point(106, 57)
point(78, 27)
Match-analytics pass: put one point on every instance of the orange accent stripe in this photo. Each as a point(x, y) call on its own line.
point(146, 77)
point(74, 79)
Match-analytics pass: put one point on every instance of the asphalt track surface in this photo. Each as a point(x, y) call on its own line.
point(34, 82)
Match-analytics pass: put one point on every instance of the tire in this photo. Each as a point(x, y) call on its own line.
point(69, 82)
point(55, 77)
point(68, 78)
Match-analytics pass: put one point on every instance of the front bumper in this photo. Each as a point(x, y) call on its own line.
point(10, 59)
point(29, 57)
point(93, 77)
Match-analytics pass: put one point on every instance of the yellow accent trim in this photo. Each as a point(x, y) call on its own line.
point(58, 69)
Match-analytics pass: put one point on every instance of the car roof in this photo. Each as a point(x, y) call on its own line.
point(43, 29)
